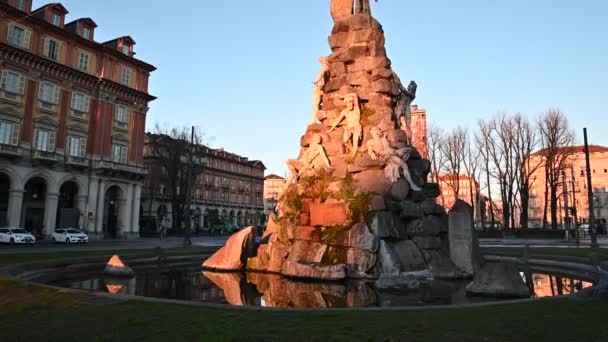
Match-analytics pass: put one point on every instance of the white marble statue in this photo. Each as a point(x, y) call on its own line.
point(319, 91)
point(379, 148)
point(353, 131)
point(313, 158)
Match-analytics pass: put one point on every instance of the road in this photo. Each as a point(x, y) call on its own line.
point(46, 246)
point(218, 241)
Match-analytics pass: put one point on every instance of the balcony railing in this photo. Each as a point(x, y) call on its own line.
point(44, 155)
point(78, 161)
point(111, 166)
point(10, 150)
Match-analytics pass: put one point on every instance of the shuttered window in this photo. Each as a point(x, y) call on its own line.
point(80, 104)
point(86, 32)
point(45, 140)
point(9, 132)
point(126, 76)
point(77, 146)
point(20, 4)
point(48, 94)
point(119, 153)
point(19, 36)
point(84, 61)
point(13, 82)
point(121, 116)
point(52, 49)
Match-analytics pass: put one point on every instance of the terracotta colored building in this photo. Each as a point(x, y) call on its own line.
point(576, 180)
point(229, 191)
point(72, 118)
point(419, 131)
point(448, 196)
point(273, 187)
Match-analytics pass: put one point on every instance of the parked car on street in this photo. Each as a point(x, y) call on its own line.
point(70, 235)
point(16, 236)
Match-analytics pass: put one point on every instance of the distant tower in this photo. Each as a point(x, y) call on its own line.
point(418, 127)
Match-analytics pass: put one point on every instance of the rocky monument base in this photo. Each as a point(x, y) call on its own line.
point(357, 203)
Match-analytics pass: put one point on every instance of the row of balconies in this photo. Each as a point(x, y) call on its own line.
point(53, 157)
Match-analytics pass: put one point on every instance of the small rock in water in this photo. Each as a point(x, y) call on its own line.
point(117, 268)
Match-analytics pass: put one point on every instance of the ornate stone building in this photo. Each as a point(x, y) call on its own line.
point(576, 180)
point(229, 191)
point(72, 118)
point(419, 131)
point(273, 188)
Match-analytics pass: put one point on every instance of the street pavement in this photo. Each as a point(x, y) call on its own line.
point(46, 246)
point(218, 241)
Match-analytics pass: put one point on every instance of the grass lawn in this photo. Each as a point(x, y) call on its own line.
point(10, 259)
point(34, 314)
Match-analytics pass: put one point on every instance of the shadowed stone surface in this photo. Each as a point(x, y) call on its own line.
point(464, 247)
point(499, 280)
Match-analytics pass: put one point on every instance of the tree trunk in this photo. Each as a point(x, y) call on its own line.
point(525, 203)
point(545, 222)
point(554, 207)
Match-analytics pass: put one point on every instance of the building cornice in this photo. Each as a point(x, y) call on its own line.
point(16, 55)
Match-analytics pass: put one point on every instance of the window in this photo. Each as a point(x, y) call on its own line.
point(48, 95)
point(121, 117)
point(56, 19)
point(77, 146)
point(125, 49)
point(12, 82)
point(86, 32)
point(125, 76)
point(19, 36)
point(45, 140)
point(52, 49)
point(80, 105)
point(20, 4)
point(9, 133)
point(119, 153)
point(84, 61)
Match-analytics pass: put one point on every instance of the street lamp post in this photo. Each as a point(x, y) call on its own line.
point(590, 194)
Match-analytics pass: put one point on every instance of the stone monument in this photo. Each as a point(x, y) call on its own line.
point(357, 203)
point(464, 247)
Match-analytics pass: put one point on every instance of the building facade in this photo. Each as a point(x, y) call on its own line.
point(419, 131)
point(273, 188)
point(575, 177)
point(447, 185)
point(228, 191)
point(72, 118)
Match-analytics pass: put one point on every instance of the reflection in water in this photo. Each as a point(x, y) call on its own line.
point(547, 285)
point(256, 289)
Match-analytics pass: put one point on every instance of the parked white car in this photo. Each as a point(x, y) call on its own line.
point(16, 235)
point(70, 235)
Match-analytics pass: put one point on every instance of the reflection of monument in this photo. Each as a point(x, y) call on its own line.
point(357, 203)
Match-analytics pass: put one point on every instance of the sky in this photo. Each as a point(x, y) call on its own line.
point(241, 71)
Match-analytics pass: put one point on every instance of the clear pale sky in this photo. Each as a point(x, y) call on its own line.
point(242, 70)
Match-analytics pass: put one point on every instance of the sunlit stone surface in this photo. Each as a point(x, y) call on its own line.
point(117, 268)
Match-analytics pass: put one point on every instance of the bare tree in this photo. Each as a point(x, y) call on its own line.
point(483, 139)
point(526, 141)
point(556, 138)
point(434, 140)
point(504, 163)
point(471, 167)
point(453, 147)
point(172, 148)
